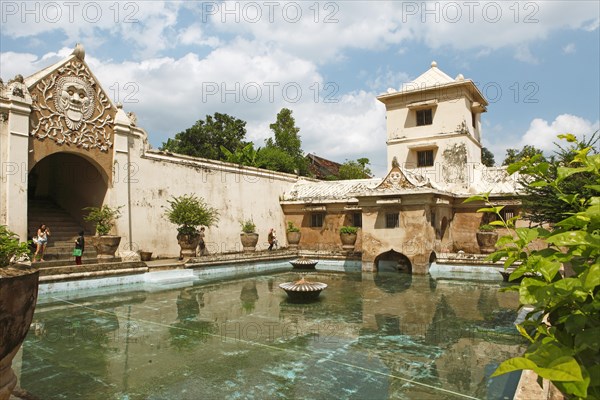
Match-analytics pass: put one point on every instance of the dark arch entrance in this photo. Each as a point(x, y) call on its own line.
point(59, 187)
point(392, 261)
point(387, 266)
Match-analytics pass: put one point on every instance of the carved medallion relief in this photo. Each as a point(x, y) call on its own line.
point(70, 109)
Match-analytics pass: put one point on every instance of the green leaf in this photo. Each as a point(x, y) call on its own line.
point(530, 293)
point(527, 234)
point(565, 172)
point(547, 268)
point(514, 364)
point(494, 210)
point(573, 238)
point(539, 184)
point(517, 273)
point(523, 332)
point(593, 187)
point(514, 167)
point(477, 197)
point(564, 369)
point(591, 277)
point(496, 223)
point(569, 137)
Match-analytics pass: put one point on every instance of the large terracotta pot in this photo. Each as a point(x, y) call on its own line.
point(18, 297)
point(249, 241)
point(106, 246)
point(487, 241)
point(348, 240)
point(188, 244)
point(293, 238)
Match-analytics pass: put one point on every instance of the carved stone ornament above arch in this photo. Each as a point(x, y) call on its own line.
point(70, 108)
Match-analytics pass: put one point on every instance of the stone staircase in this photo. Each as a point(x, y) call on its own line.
point(63, 230)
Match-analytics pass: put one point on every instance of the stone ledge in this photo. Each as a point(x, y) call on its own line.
point(53, 274)
point(242, 257)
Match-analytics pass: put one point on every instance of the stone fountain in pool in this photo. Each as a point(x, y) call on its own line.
point(302, 290)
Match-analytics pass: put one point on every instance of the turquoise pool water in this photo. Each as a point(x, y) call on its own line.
point(369, 336)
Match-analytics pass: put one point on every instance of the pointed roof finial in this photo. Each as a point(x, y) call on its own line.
point(79, 51)
point(433, 64)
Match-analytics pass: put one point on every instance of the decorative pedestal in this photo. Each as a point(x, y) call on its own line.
point(303, 290)
point(304, 263)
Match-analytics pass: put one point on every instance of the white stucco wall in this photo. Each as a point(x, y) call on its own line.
point(239, 193)
point(14, 136)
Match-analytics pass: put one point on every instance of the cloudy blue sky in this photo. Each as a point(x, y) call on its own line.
point(173, 63)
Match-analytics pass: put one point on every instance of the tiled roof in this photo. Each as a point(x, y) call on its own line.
point(321, 168)
point(329, 191)
point(493, 180)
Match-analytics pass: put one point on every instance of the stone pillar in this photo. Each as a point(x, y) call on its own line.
point(15, 107)
point(420, 264)
point(121, 186)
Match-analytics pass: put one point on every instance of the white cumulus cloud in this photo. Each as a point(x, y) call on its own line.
point(542, 134)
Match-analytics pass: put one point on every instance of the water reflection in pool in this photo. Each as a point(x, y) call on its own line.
point(369, 336)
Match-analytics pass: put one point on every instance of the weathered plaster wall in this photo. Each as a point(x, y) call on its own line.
point(327, 237)
point(239, 193)
point(415, 237)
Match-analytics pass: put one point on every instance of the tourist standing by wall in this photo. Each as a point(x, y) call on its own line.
point(202, 243)
point(41, 241)
point(272, 239)
point(79, 248)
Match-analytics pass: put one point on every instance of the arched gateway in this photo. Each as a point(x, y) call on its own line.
point(59, 147)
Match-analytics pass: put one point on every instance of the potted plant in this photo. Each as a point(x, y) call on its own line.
point(248, 236)
point(18, 297)
point(104, 219)
point(189, 212)
point(487, 238)
point(292, 235)
point(348, 237)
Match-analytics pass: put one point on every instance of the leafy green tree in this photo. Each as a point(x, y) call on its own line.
point(539, 202)
point(205, 138)
point(276, 159)
point(246, 155)
point(487, 157)
point(514, 155)
point(358, 169)
point(563, 319)
point(287, 138)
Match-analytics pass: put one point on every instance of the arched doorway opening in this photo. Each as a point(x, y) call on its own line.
point(393, 261)
point(387, 265)
point(59, 187)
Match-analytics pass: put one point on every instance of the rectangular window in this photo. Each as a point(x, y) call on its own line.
point(316, 220)
point(425, 158)
point(357, 220)
point(424, 117)
point(507, 213)
point(392, 220)
point(433, 219)
point(474, 120)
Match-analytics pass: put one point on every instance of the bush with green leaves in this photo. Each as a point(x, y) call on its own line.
point(248, 226)
point(487, 228)
point(348, 230)
point(563, 318)
point(11, 247)
point(103, 217)
point(189, 212)
point(291, 227)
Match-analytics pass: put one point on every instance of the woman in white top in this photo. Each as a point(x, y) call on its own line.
point(41, 241)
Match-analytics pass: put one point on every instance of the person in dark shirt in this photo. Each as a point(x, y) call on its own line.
point(79, 248)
